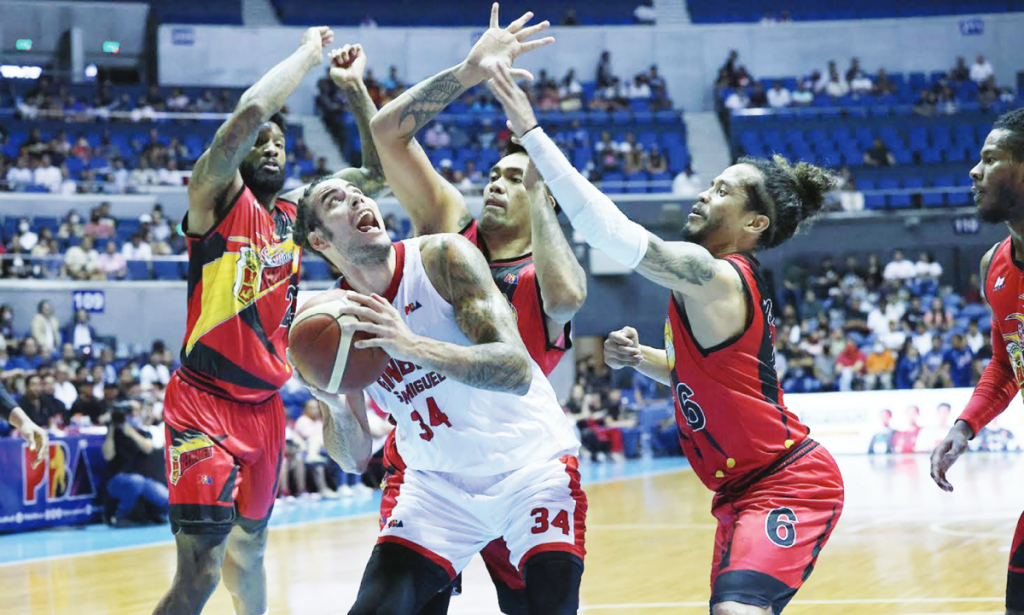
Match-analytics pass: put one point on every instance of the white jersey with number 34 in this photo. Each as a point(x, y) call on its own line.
point(448, 426)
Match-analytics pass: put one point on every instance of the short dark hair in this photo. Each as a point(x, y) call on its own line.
point(278, 118)
point(789, 195)
point(306, 218)
point(1012, 122)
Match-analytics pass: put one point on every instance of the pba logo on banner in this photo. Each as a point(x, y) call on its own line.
point(64, 475)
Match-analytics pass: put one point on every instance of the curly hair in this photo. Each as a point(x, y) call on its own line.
point(791, 196)
point(1013, 123)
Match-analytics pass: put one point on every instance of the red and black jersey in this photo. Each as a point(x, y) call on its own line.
point(1004, 376)
point(243, 278)
point(729, 408)
point(517, 280)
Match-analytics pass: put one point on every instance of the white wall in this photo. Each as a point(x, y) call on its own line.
point(688, 56)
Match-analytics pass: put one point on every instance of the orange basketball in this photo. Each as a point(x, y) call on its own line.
point(324, 356)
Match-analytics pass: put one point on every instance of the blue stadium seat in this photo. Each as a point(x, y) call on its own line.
point(896, 201)
point(636, 183)
point(315, 269)
point(138, 270)
point(661, 182)
point(612, 183)
point(168, 270)
point(937, 199)
point(871, 201)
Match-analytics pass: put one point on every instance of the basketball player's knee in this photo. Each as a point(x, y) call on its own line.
point(246, 549)
point(737, 608)
point(553, 583)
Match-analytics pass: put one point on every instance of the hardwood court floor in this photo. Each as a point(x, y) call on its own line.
point(902, 547)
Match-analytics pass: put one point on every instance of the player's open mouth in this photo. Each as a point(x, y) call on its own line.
point(696, 213)
point(367, 222)
point(494, 203)
point(271, 166)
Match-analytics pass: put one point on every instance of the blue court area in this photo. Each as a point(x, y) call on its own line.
point(65, 542)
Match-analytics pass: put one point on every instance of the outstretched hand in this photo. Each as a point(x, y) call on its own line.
point(521, 118)
point(503, 45)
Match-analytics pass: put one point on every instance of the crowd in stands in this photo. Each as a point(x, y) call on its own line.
point(944, 93)
point(98, 248)
point(87, 156)
point(865, 326)
point(468, 135)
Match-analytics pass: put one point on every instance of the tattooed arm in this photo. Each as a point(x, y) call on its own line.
point(347, 437)
point(690, 270)
point(347, 66)
point(496, 360)
point(433, 204)
point(215, 177)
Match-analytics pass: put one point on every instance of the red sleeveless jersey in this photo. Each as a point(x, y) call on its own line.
point(243, 278)
point(517, 280)
point(729, 409)
point(1004, 376)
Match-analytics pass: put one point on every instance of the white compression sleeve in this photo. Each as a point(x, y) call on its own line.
point(591, 213)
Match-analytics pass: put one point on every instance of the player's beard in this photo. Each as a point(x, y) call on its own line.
point(1007, 205)
point(700, 236)
point(262, 181)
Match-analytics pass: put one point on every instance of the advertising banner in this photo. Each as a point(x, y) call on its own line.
point(63, 490)
point(905, 421)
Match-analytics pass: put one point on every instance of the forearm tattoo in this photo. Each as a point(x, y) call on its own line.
point(428, 99)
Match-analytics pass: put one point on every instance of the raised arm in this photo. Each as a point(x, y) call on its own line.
point(215, 176)
point(347, 432)
point(434, 205)
point(497, 359)
point(562, 281)
point(683, 267)
point(347, 67)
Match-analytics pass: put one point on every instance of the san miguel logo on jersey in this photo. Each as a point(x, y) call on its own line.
point(392, 380)
point(1014, 340)
point(670, 347)
point(190, 447)
point(258, 270)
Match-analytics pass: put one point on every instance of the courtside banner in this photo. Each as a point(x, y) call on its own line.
point(63, 490)
point(904, 421)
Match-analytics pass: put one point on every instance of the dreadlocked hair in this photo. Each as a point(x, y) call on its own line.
point(306, 219)
point(791, 196)
point(1012, 122)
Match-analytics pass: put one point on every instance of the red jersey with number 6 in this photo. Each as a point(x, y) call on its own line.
point(729, 409)
point(243, 275)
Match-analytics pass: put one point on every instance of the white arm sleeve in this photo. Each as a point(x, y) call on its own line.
point(591, 213)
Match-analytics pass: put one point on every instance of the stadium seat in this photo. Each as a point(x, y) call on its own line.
point(138, 270)
point(168, 270)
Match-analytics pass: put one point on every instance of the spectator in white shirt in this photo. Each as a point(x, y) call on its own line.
point(778, 96)
point(67, 185)
point(47, 175)
point(81, 261)
point(803, 95)
point(65, 390)
point(981, 70)
point(687, 184)
point(927, 267)
point(895, 337)
point(974, 337)
point(119, 175)
point(21, 173)
point(645, 13)
point(861, 83)
point(137, 249)
point(178, 101)
point(639, 90)
point(156, 370)
point(737, 100)
point(836, 87)
point(878, 321)
point(171, 176)
point(143, 175)
point(27, 238)
point(899, 268)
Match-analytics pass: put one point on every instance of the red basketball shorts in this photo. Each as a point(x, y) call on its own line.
point(769, 536)
point(222, 460)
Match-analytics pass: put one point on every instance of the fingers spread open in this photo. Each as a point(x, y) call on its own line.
point(494, 15)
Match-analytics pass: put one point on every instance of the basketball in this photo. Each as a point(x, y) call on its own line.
point(324, 355)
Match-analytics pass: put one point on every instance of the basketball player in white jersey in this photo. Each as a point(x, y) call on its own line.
point(488, 450)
